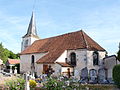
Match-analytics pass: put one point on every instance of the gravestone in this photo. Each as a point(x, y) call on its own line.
point(27, 78)
point(93, 76)
point(84, 75)
point(15, 71)
point(102, 76)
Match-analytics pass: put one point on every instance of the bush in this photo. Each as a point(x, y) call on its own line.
point(116, 75)
point(53, 84)
point(32, 83)
point(17, 84)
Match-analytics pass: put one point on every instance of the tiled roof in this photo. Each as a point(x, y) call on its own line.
point(13, 61)
point(55, 46)
point(64, 64)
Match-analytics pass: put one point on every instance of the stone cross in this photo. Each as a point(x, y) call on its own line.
point(27, 77)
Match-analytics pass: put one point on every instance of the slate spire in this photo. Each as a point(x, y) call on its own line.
point(32, 27)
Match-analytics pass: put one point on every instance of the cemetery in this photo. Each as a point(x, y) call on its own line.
point(69, 61)
point(50, 82)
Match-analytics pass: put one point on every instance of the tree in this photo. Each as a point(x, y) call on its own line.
point(5, 54)
point(118, 55)
point(116, 74)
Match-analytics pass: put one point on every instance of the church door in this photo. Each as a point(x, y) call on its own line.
point(45, 68)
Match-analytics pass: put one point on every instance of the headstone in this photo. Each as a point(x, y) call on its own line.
point(27, 78)
point(15, 71)
point(93, 76)
point(84, 75)
point(10, 69)
point(102, 76)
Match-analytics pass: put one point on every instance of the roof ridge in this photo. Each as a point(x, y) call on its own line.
point(83, 34)
point(61, 35)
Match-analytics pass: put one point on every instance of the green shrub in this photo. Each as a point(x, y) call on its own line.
point(17, 84)
point(116, 75)
point(53, 84)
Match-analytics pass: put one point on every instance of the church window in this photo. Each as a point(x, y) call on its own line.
point(73, 58)
point(95, 58)
point(32, 59)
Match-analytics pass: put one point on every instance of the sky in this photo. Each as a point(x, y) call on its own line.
point(100, 19)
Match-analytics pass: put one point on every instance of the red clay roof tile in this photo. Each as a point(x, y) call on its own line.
point(13, 61)
point(55, 46)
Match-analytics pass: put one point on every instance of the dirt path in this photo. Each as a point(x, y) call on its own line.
point(3, 79)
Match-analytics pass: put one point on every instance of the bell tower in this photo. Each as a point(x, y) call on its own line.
point(31, 35)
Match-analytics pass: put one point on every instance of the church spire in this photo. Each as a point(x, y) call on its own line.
point(31, 35)
point(32, 27)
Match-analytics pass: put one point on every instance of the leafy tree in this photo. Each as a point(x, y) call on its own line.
point(116, 74)
point(12, 55)
point(118, 55)
point(5, 54)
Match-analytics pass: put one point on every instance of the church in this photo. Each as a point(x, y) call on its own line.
point(75, 52)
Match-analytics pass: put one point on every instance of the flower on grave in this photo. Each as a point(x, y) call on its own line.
point(32, 83)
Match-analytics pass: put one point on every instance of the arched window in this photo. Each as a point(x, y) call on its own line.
point(95, 58)
point(32, 59)
point(73, 58)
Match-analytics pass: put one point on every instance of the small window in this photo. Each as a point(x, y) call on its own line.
point(32, 59)
point(73, 59)
point(95, 58)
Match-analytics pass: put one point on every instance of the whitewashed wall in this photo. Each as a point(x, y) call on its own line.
point(84, 58)
point(25, 61)
point(90, 59)
point(62, 57)
point(110, 62)
point(39, 69)
point(80, 60)
point(30, 41)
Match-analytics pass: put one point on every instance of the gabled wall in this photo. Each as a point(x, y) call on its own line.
point(62, 57)
point(84, 58)
point(25, 61)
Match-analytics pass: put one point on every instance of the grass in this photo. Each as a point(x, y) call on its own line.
point(87, 87)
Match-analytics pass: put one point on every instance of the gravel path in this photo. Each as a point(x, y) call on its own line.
point(3, 79)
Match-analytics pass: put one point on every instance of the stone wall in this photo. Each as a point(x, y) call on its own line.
point(84, 58)
point(90, 60)
point(110, 62)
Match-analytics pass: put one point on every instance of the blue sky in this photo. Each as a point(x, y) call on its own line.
point(100, 19)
